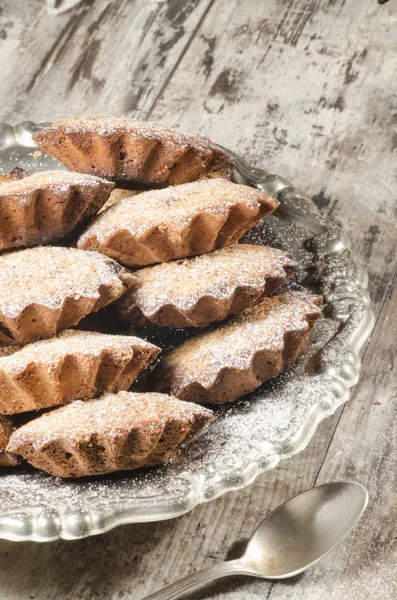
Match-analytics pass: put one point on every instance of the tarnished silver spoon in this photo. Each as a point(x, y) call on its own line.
point(290, 539)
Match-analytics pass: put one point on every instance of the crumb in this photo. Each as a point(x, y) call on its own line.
point(18, 173)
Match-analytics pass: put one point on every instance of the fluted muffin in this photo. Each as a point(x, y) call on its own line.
point(193, 292)
point(132, 153)
point(46, 289)
point(112, 433)
point(46, 207)
point(222, 364)
point(75, 364)
point(189, 219)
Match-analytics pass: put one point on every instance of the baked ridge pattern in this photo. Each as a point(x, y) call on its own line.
point(121, 431)
point(131, 152)
point(220, 365)
point(45, 207)
point(162, 225)
point(194, 292)
point(49, 288)
point(75, 364)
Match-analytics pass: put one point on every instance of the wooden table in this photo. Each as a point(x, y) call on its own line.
point(308, 89)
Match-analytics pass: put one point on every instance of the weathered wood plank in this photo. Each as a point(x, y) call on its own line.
point(304, 88)
point(299, 86)
point(364, 449)
point(102, 57)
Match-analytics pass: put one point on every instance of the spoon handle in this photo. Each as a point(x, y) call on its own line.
point(199, 578)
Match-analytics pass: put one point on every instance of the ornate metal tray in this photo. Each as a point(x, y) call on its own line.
point(244, 440)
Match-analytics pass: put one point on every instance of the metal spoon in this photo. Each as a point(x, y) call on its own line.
point(290, 539)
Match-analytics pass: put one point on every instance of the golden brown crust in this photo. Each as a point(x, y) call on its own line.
point(193, 292)
point(133, 152)
point(75, 364)
point(46, 207)
point(161, 225)
point(115, 432)
point(7, 459)
point(46, 289)
point(220, 365)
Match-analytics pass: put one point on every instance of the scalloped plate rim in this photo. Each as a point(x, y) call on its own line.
point(87, 522)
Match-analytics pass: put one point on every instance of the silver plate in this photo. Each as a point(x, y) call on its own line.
point(256, 433)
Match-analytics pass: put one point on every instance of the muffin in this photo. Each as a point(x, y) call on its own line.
point(46, 207)
point(112, 433)
point(46, 289)
point(161, 225)
point(220, 365)
point(193, 292)
point(75, 364)
point(133, 153)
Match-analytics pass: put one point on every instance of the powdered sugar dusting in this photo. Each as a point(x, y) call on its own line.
point(111, 415)
point(71, 343)
point(51, 180)
point(219, 274)
point(108, 126)
point(234, 345)
point(47, 276)
point(175, 207)
point(112, 433)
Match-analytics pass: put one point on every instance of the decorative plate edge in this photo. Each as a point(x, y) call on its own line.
point(43, 525)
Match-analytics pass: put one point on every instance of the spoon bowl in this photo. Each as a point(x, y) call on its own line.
point(290, 539)
point(304, 529)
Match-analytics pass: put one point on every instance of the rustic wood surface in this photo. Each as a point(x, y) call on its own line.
point(307, 88)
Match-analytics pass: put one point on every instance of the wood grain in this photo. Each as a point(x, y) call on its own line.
point(303, 93)
point(304, 88)
point(102, 57)
point(364, 449)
